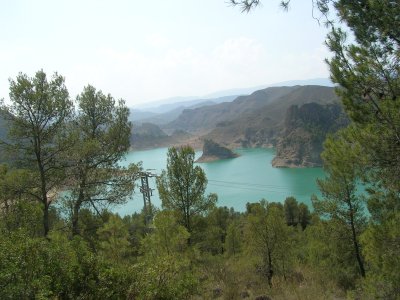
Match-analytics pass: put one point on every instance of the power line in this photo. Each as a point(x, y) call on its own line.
point(264, 190)
point(255, 187)
point(250, 184)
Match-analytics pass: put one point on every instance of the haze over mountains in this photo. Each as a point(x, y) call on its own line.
point(166, 113)
point(164, 105)
point(256, 120)
point(260, 116)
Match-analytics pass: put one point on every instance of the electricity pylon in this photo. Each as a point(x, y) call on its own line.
point(147, 193)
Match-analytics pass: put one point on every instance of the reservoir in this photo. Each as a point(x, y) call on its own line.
point(247, 178)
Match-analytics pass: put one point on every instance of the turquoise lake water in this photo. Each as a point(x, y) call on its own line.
point(248, 178)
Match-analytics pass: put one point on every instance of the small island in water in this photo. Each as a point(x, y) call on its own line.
point(213, 151)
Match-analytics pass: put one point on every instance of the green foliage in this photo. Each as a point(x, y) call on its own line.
point(330, 252)
point(163, 277)
point(137, 230)
point(304, 215)
point(113, 282)
point(165, 271)
point(234, 239)
point(368, 73)
point(113, 238)
point(36, 268)
point(296, 213)
point(341, 204)
point(100, 134)
point(122, 259)
point(57, 268)
point(381, 245)
point(38, 114)
point(211, 237)
point(168, 237)
point(268, 237)
point(367, 70)
point(182, 186)
point(17, 210)
point(90, 222)
point(291, 211)
point(22, 215)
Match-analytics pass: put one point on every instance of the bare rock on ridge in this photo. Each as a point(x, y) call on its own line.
point(213, 151)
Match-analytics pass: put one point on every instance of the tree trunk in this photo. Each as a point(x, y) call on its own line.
point(43, 187)
point(45, 201)
point(46, 224)
point(77, 205)
point(189, 228)
point(357, 247)
point(75, 218)
point(355, 242)
point(270, 272)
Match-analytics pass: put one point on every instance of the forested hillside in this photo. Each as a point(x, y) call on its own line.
point(60, 240)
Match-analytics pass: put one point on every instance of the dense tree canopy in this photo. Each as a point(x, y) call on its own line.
point(101, 133)
point(182, 186)
point(38, 114)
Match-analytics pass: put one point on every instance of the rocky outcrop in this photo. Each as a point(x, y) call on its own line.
point(305, 128)
point(213, 151)
point(258, 120)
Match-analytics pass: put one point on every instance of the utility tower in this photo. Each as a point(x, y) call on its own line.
point(147, 193)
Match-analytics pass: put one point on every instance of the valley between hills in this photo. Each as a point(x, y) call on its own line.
point(293, 119)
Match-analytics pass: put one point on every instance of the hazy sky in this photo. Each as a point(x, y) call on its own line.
point(148, 50)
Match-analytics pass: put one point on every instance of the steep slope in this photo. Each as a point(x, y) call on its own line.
point(168, 112)
point(214, 151)
point(206, 118)
point(305, 129)
point(260, 128)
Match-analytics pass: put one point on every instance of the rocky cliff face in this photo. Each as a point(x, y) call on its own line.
point(295, 120)
point(213, 151)
point(305, 128)
point(259, 119)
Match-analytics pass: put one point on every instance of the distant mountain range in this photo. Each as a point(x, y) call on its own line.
point(165, 105)
point(259, 120)
point(248, 91)
point(166, 113)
